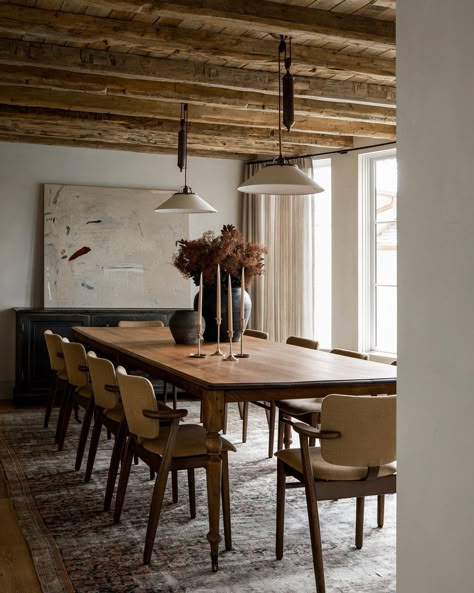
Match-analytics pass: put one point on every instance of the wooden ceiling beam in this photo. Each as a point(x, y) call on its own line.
point(149, 127)
point(100, 144)
point(266, 17)
point(77, 101)
point(48, 78)
point(22, 53)
point(194, 45)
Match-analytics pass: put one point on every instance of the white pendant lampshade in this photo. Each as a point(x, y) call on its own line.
point(185, 201)
point(280, 179)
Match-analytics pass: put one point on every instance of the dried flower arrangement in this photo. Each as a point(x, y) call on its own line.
point(229, 249)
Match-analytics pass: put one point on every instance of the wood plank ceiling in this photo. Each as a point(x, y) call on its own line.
point(112, 73)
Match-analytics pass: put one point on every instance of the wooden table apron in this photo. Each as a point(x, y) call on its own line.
point(273, 371)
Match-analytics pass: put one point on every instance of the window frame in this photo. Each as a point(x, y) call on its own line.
point(367, 249)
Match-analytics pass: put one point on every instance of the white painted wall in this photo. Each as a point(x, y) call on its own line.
point(436, 296)
point(24, 168)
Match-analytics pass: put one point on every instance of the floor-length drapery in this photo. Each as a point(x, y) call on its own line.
point(283, 298)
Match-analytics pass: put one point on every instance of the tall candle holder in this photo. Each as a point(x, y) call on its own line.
point(218, 351)
point(198, 354)
point(242, 331)
point(230, 356)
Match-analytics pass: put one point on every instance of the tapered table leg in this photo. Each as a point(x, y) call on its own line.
point(213, 405)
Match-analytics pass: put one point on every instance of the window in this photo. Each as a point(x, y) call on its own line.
point(378, 252)
point(323, 277)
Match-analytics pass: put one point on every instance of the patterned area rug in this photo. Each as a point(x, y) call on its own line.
point(76, 547)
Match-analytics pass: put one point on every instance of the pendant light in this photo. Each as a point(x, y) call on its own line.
point(281, 177)
point(184, 201)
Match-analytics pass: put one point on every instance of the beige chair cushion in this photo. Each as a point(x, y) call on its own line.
point(322, 470)
point(300, 407)
point(117, 414)
point(191, 441)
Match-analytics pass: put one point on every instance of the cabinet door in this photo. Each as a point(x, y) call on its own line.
point(33, 366)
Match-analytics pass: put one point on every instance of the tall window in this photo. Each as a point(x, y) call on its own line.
point(378, 252)
point(323, 282)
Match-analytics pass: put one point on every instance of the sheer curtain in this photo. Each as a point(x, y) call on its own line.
point(283, 298)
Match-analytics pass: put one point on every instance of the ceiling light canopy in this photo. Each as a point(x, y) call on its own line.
point(184, 201)
point(281, 177)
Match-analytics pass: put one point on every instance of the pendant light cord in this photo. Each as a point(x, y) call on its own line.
point(281, 48)
point(185, 117)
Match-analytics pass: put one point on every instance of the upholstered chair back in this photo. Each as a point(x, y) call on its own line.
point(350, 353)
point(145, 323)
point(368, 429)
point(76, 363)
point(256, 333)
point(55, 350)
point(104, 381)
point(303, 342)
point(137, 395)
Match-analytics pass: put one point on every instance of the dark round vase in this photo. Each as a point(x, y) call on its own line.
point(209, 312)
point(183, 326)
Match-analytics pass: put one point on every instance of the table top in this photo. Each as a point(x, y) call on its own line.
point(271, 365)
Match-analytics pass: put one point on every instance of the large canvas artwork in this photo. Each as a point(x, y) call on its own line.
point(106, 247)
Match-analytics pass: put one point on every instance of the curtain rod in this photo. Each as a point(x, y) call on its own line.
point(341, 151)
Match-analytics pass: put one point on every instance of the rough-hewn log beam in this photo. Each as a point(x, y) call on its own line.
point(150, 128)
point(48, 78)
point(212, 115)
point(141, 67)
point(267, 17)
point(196, 45)
point(100, 144)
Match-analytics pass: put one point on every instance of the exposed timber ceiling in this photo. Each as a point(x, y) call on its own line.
point(112, 73)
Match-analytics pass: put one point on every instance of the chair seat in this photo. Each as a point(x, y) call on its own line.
point(116, 414)
point(322, 470)
point(299, 407)
point(190, 441)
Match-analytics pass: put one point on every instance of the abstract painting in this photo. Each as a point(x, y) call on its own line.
point(106, 247)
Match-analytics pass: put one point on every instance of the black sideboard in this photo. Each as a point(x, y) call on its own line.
point(32, 369)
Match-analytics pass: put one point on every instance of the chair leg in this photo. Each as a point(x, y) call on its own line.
point(152, 474)
point(240, 406)
point(109, 434)
point(62, 405)
point(175, 397)
point(245, 421)
point(76, 413)
point(165, 392)
point(280, 509)
point(174, 485)
point(51, 397)
point(225, 493)
point(271, 429)
point(380, 510)
point(316, 547)
point(94, 443)
point(192, 493)
point(86, 424)
point(123, 480)
point(114, 464)
point(359, 535)
point(155, 512)
point(281, 430)
point(66, 417)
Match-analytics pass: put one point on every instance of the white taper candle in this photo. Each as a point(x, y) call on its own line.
point(199, 311)
point(230, 326)
point(218, 293)
point(242, 298)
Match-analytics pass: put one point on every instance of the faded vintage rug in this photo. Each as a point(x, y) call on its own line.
point(76, 547)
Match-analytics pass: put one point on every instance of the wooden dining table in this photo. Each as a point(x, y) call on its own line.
point(273, 371)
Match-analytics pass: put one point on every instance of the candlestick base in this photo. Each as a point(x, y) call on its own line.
point(197, 355)
point(242, 355)
point(230, 356)
point(218, 352)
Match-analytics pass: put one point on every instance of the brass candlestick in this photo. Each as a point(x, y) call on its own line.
point(242, 331)
point(218, 351)
point(198, 354)
point(230, 356)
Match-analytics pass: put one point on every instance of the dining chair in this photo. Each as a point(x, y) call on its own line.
point(109, 413)
point(157, 385)
point(58, 382)
point(356, 459)
point(79, 392)
point(175, 446)
point(308, 409)
point(256, 333)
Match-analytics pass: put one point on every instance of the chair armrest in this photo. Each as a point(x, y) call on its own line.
point(315, 433)
point(165, 414)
